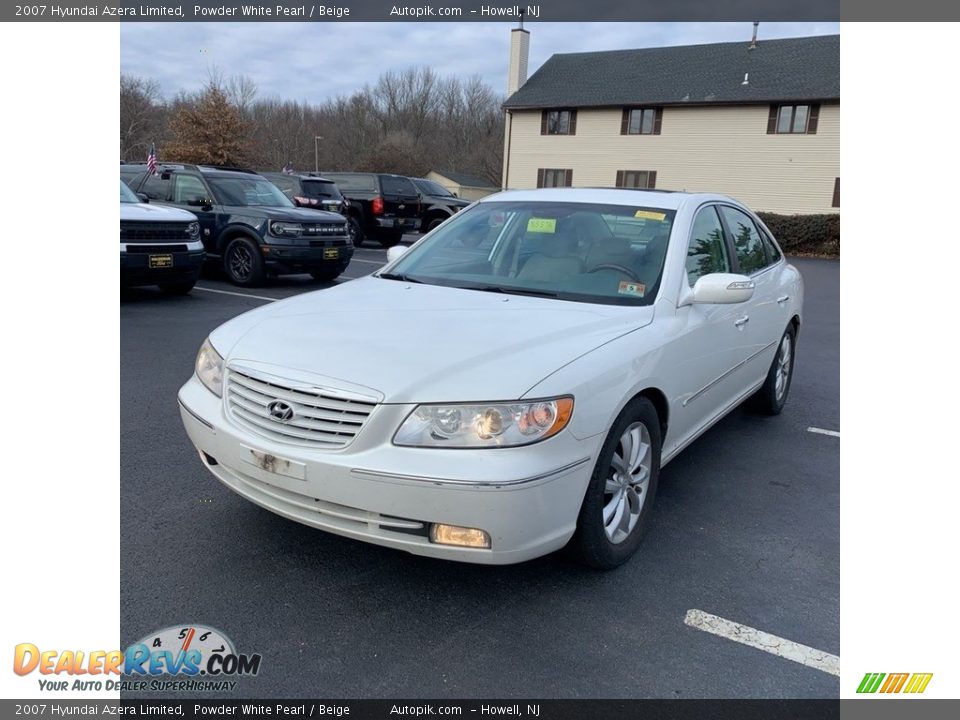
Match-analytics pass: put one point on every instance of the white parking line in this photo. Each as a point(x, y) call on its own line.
point(371, 262)
point(811, 657)
point(821, 431)
point(243, 295)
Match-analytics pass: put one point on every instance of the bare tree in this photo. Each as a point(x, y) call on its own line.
point(141, 116)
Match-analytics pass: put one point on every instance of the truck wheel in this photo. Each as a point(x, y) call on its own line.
point(242, 263)
point(355, 231)
point(388, 241)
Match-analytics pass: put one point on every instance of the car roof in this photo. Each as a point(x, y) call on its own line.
point(204, 169)
point(664, 199)
point(300, 176)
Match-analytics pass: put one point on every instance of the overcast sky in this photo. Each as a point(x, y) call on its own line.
point(316, 61)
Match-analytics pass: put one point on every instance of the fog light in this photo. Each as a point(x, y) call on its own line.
point(456, 535)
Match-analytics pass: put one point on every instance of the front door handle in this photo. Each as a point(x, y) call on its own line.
point(742, 321)
point(782, 299)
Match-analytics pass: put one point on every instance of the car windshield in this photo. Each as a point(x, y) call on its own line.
point(429, 187)
point(244, 191)
point(610, 254)
point(126, 194)
point(321, 189)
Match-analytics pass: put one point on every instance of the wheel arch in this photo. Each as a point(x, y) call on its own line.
point(230, 234)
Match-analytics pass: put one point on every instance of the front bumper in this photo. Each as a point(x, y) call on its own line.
point(287, 259)
point(183, 266)
point(527, 499)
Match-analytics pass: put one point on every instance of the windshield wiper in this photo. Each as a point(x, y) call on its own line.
point(512, 291)
point(399, 276)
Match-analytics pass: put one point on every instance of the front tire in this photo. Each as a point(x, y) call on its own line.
point(771, 398)
point(243, 264)
point(616, 509)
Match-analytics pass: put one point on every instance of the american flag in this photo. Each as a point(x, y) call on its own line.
point(152, 160)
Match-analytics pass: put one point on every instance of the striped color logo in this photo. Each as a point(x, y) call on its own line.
point(894, 683)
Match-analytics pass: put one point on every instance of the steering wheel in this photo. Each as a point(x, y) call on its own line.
point(613, 266)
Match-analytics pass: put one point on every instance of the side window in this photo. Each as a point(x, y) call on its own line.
point(707, 252)
point(773, 253)
point(286, 186)
point(187, 188)
point(157, 188)
point(746, 240)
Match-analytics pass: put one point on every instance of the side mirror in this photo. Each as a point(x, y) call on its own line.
point(395, 252)
point(144, 198)
point(723, 289)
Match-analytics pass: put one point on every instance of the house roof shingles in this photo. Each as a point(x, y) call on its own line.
point(779, 70)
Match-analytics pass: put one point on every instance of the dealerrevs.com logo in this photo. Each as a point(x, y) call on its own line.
point(910, 683)
point(180, 657)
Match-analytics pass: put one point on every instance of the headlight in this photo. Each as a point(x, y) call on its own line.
point(485, 425)
point(193, 230)
point(285, 229)
point(209, 368)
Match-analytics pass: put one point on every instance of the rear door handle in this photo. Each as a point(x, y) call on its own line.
point(742, 321)
point(782, 299)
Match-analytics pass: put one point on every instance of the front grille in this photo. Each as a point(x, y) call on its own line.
point(132, 231)
point(156, 248)
point(321, 418)
point(325, 229)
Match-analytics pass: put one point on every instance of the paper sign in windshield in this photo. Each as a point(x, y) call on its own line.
point(650, 215)
point(632, 288)
point(542, 225)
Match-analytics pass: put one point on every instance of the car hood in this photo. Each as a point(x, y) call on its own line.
point(422, 343)
point(154, 213)
point(286, 214)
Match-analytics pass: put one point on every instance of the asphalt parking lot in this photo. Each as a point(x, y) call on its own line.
point(747, 527)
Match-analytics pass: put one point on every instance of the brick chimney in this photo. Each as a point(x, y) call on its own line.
point(519, 55)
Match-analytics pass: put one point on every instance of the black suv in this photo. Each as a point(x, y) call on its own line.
point(309, 190)
point(382, 206)
point(247, 223)
point(436, 203)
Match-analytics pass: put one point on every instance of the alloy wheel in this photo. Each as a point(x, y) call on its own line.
point(626, 486)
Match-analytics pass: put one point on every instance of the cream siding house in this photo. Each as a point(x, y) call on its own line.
point(760, 122)
point(462, 185)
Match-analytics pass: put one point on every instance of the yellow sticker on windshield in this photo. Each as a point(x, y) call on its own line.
point(632, 288)
point(542, 225)
point(648, 215)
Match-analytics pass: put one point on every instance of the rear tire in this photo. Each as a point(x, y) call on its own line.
point(355, 231)
point(243, 263)
point(388, 241)
point(178, 288)
point(771, 398)
point(434, 222)
point(616, 508)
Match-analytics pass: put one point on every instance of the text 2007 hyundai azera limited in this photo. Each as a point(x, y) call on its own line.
point(511, 384)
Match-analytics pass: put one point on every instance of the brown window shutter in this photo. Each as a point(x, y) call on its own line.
point(657, 121)
point(651, 179)
point(568, 179)
point(543, 122)
point(540, 178)
point(619, 178)
point(814, 120)
point(772, 120)
point(573, 122)
point(624, 121)
point(836, 193)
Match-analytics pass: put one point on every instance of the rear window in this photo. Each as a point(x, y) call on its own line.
point(321, 189)
point(396, 185)
point(362, 183)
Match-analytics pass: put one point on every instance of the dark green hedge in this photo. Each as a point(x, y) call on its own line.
point(805, 234)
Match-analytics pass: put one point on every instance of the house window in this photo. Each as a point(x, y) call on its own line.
point(836, 192)
point(642, 179)
point(551, 177)
point(641, 121)
point(793, 119)
point(558, 122)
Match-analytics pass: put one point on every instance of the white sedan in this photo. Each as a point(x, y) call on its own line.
point(510, 385)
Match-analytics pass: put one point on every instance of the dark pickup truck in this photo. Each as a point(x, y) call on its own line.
point(382, 206)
